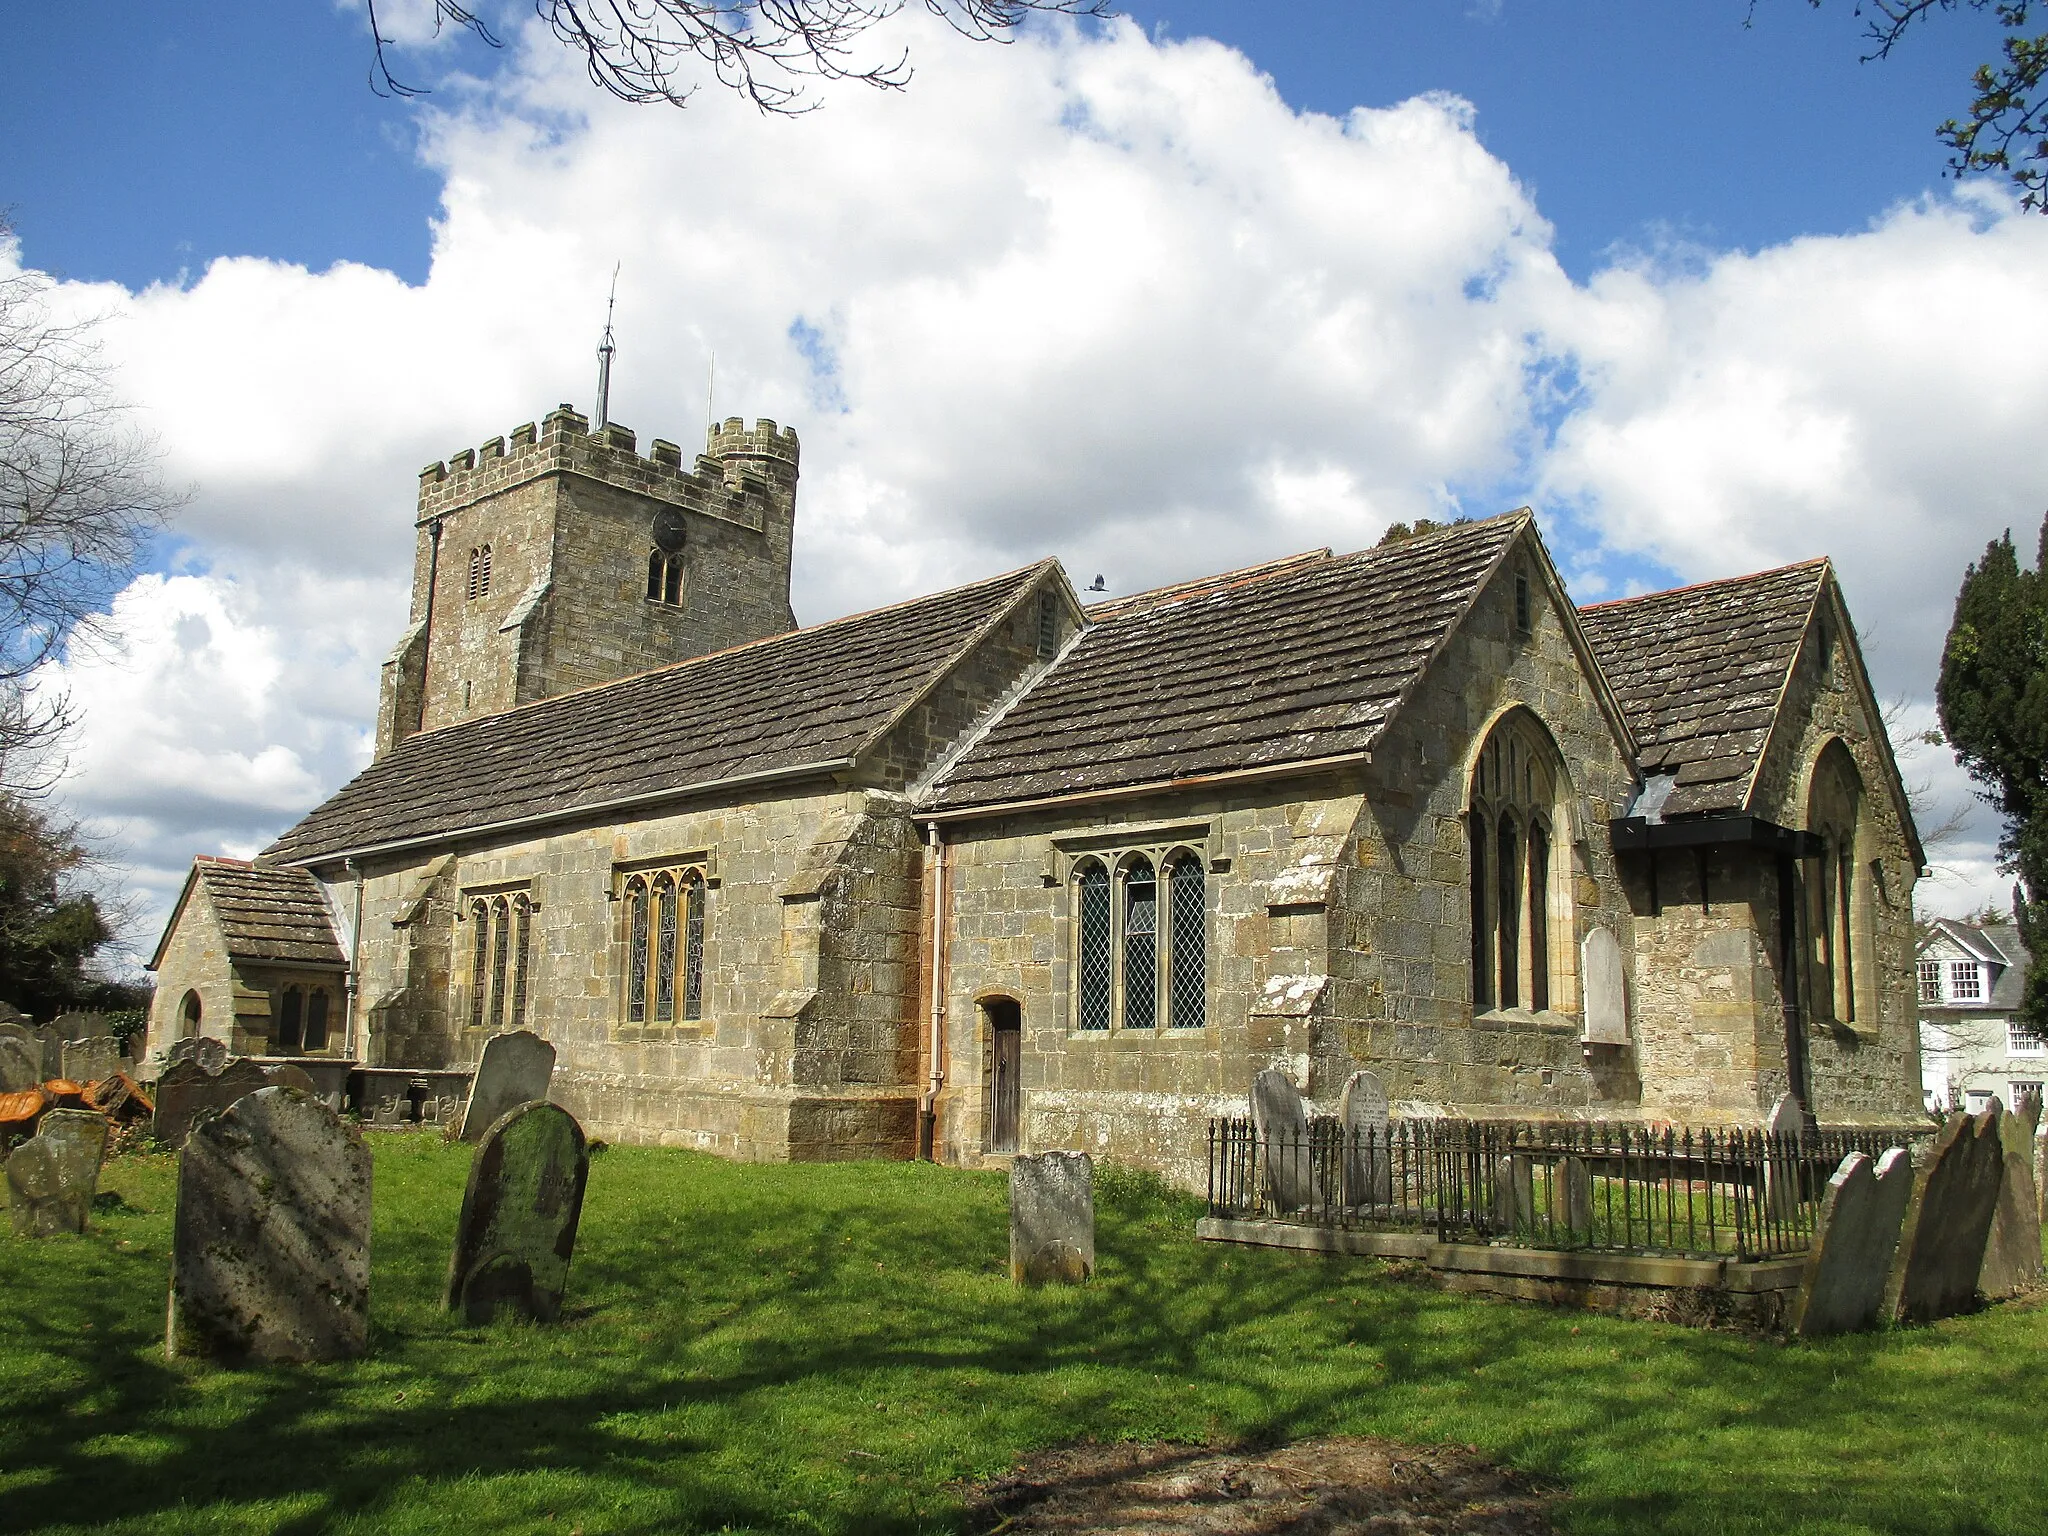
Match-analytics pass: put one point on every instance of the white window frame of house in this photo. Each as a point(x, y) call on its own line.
point(1965, 981)
point(2023, 1039)
point(1977, 1100)
point(1930, 981)
point(2019, 1087)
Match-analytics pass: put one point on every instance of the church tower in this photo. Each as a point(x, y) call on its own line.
point(562, 558)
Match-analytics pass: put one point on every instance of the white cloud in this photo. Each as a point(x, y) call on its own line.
point(1109, 298)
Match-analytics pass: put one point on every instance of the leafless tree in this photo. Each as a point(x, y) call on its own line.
point(770, 51)
point(79, 493)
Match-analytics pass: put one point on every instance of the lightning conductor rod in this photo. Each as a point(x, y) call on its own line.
point(605, 349)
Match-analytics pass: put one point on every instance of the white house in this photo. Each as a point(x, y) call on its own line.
point(1973, 1043)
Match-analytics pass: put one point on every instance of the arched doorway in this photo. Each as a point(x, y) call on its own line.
point(1005, 1072)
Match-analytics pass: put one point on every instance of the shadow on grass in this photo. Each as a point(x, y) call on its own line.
point(827, 1348)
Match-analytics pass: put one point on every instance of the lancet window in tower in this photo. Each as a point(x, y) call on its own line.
point(479, 584)
point(1519, 900)
point(665, 578)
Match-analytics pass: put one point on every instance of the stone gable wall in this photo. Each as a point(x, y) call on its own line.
point(195, 960)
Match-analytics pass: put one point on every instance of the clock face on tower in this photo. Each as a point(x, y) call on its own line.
point(669, 531)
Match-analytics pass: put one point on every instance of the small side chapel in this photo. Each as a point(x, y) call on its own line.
point(994, 870)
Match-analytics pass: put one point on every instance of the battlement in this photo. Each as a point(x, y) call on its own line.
point(743, 474)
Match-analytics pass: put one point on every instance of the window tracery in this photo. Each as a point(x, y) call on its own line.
point(663, 934)
point(1140, 952)
point(500, 952)
point(1519, 901)
point(500, 960)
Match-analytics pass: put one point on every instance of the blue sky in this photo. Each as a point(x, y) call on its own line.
point(1696, 290)
point(162, 136)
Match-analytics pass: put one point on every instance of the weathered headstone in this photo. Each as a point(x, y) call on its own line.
point(42, 1046)
point(1368, 1160)
point(271, 1247)
point(284, 1075)
point(1605, 979)
point(515, 1069)
point(94, 1058)
point(209, 1054)
point(21, 1065)
point(1052, 1218)
point(187, 1091)
point(1784, 1157)
point(2012, 1252)
point(51, 1177)
point(1514, 1192)
point(1841, 1289)
point(519, 1214)
point(1955, 1196)
point(79, 1025)
point(1280, 1121)
point(2041, 1171)
point(1571, 1195)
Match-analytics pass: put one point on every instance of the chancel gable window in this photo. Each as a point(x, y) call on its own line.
point(500, 961)
point(1139, 919)
point(662, 933)
point(1518, 899)
point(1836, 902)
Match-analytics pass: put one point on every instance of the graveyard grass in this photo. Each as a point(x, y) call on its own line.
point(835, 1349)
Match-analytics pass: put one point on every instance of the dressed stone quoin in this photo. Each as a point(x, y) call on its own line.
point(996, 870)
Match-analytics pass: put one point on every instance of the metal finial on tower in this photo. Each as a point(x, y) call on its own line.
point(604, 359)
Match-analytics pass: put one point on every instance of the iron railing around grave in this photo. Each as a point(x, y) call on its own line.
point(1598, 1186)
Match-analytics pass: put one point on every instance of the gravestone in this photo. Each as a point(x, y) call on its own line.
point(519, 1214)
point(1784, 1157)
point(78, 1025)
point(187, 1091)
point(515, 1069)
point(1052, 1218)
point(1280, 1121)
point(271, 1247)
point(1841, 1290)
point(1948, 1222)
point(2012, 1252)
point(208, 1053)
point(21, 1065)
point(1514, 1193)
point(94, 1058)
point(42, 1046)
point(1606, 982)
point(285, 1075)
point(1368, 1160)
point(2041, 1171)
point(1571, 1195)
point(52, 1177)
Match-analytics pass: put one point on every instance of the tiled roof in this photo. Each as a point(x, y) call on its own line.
point(1308, 660)
point(1999, 945)
point(270, 914)
point(816, 695)
point(1699, 672)
point(1117, 607)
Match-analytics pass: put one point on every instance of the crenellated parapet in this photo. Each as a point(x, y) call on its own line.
point(746, 475)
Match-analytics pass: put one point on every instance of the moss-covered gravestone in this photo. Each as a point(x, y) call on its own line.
point(187, 1092)
point(1949, 1221)
point(515, 1069)
point(519, 1214)
point(51, 1177)
point(2012, 1253)
point(271, 1247)
point(1841, 1290)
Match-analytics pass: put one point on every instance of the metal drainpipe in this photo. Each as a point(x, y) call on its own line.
point(355, 960)
point(427, 635)
point(930, 1111)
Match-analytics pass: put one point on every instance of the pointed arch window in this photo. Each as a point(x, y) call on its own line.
point(522, 949)
point(501, 949)
point(1139, 920)
point(664, 936)
point(1834, 809)
point(1097, 971)
point(480, 960)
point(636, 951)
point(664, 949)
point(479, 584)
point(693, 946)
point(1518, 898)
point(664, 578)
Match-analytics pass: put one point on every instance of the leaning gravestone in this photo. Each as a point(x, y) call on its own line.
point(1368, 1160)
point(1280, 1122)
point(1052, 1218)
point(1948, 1223)
point(271, 1247)
point(21, 1065)
point(519, 1214)
point(187, 1091)
point(2012, 1253)
point(209, 1054)
point(515, 1069)
point(1841, 1289)
point(1606, 983)
point(93, 1059)
point(51, 1177)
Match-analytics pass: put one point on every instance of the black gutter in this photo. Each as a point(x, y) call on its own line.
point(1635, 834)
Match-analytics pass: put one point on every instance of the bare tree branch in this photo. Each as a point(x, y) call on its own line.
point(769, 51)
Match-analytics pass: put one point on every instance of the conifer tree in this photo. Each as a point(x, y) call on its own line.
point(1993, 698)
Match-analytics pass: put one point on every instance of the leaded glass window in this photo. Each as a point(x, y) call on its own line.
point(500, 952)
point(636, 952)
point(522, 948)
point(1094, 958)
point(1482, 938)
point(1187, 1000)
point(1509, 914)
point(1520, 900)
point(1141, 945)
point(480, 959)
point(1539, 917)
point(693, 949)
point(665, 949)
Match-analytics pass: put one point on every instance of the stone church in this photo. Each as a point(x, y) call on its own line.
point(996, 869)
